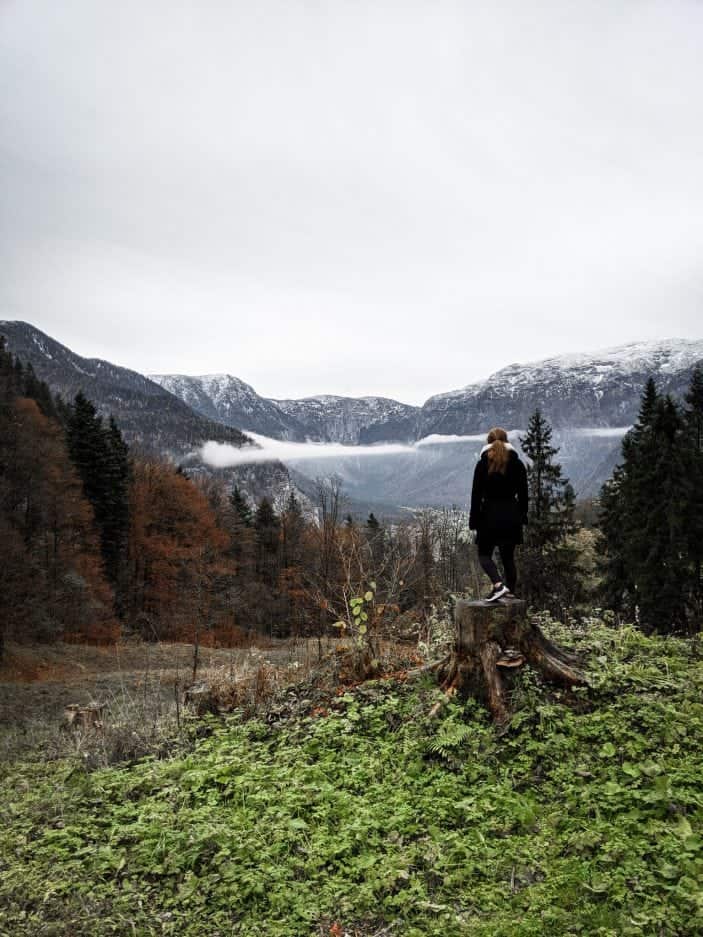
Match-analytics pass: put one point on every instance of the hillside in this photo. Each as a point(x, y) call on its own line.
point(149, 416)
point(364, 817)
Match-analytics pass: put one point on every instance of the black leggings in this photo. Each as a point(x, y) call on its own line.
point(507, 556)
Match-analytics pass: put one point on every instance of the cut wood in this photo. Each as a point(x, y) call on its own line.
point(77, 717)
point(492, 641)
point(202, 698)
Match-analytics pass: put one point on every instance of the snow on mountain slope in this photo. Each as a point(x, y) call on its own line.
point(232, 401)
point(575, 390)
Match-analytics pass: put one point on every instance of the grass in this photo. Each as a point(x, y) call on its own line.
point(139, 684)
point(365, 817)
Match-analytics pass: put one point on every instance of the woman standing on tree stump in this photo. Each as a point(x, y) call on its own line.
point(498, 509)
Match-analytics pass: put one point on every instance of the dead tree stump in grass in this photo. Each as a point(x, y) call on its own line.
point(492, 639)
point(78, 717)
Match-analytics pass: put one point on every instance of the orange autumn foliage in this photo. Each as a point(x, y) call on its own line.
point(176, 551)
point(51, 577)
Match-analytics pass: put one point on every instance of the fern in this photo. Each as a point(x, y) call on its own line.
point(450, 737)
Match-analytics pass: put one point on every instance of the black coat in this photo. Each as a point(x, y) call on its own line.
point(499, 501)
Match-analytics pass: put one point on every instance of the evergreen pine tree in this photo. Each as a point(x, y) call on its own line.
point(693, 419)
point(620, 515)
point(655, 524)
point(646, 519)
point(292, 527)
point(548, 558)
point(267, 527)
point(101, 458)
point(63, 411)
point(19, 376)
point(115, 523)
point(376, 541)
point(293, 505)
point(617, 587)
point(39, 391)
point(7, 373)
point(241, 506)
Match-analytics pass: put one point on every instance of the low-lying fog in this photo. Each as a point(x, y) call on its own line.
point(435, 470)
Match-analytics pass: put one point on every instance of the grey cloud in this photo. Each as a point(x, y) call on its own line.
point(353, 198)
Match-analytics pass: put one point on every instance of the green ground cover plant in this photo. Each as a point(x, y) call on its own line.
point(585, 817)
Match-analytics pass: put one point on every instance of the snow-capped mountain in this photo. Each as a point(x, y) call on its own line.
point(228, 399)
point(600, 389)
point(576, 390)
point(327, 418)
point(588, 398)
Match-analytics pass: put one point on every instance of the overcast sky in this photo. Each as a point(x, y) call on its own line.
point(355, 197)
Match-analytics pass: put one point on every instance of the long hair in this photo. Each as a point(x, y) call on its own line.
point(499, 453)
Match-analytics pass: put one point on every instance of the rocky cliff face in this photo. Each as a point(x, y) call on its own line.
point(326, 418)
point(233, 402)
point(353, 420)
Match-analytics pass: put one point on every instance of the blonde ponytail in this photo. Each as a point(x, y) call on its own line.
point(498, 453)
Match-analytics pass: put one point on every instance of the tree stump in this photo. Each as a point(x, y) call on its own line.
point(492, 640)
point(202, 698)
point(78, 717)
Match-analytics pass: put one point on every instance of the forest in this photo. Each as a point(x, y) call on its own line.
point(97, 542)
point(385, 820)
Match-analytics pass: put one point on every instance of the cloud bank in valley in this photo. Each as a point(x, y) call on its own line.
point(604, 431)
point(222, 455)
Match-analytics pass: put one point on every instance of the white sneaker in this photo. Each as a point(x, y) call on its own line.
point(497, 592)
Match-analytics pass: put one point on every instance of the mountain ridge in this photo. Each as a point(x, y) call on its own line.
point(149, 416)
point(575, 389)
point(581, 394)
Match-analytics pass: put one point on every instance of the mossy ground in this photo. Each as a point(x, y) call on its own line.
point(586, 817)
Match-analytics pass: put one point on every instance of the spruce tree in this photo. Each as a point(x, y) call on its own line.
point(655, 521)
point(241, 506)
point(115, 524)
point(617, 588)
point(646, 519)
point(39, 391)
point(693, 420)
point(619, 518)
point(267, 527)
point(548, 558)
point(7, 373)
point(292, 527)
point(101, 458)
